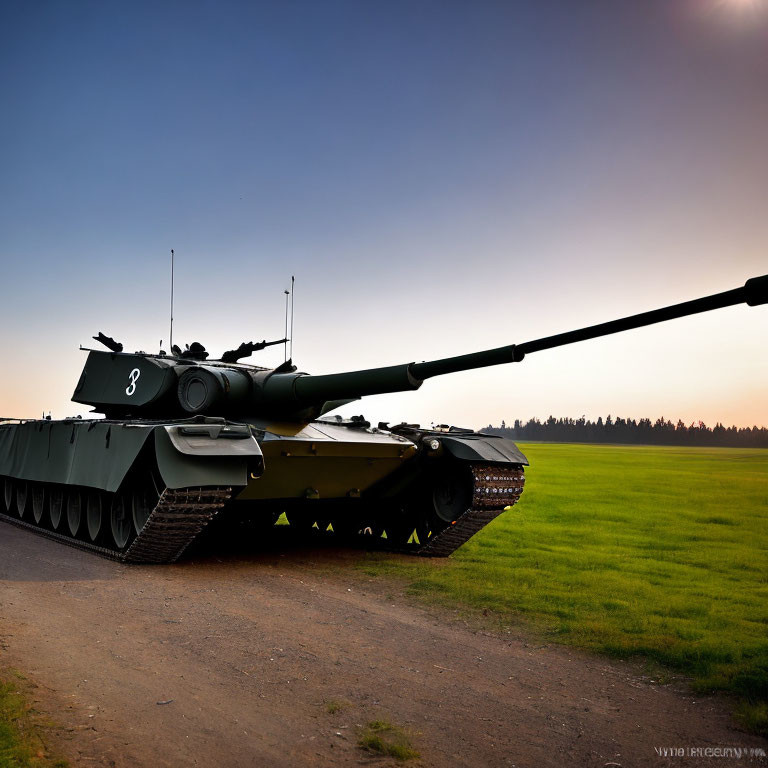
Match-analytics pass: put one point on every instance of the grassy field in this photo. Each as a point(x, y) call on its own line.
point(21, 733)
point(656, 552)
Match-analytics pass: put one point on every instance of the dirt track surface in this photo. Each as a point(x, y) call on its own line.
point(249, 650)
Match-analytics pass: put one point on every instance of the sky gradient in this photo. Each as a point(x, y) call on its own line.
point(441, 177)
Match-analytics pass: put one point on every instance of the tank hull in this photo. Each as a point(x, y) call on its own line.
point(143, 491)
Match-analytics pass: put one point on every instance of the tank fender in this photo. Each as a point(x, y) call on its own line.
point(94, 454)
point(479, 447)
point(207, 454)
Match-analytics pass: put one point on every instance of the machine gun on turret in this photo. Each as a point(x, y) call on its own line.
point(108, 342)
point(247, 348)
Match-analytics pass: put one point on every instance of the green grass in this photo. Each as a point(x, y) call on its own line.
point(383, 738)
point(334, 706)
point(657, 552)
point(21, 743)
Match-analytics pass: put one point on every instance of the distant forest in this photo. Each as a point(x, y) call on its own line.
point(643, 431)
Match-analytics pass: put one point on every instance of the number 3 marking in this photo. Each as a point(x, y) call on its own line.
point(134, 377)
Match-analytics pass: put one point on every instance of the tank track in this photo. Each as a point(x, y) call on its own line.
point(494, 487)
point(174, 523)
point(179, 516)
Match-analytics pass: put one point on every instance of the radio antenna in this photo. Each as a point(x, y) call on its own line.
point(170, 343)
point(293, 280)
point(285, 335)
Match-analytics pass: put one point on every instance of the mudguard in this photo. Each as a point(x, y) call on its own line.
point(99, 454)
point(480, 447)
point(207, 455)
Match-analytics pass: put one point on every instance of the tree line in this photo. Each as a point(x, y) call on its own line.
point(642, 431)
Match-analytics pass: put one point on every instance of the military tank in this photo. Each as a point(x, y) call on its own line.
point(186, 440)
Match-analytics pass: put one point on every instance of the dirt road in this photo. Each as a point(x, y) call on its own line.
point(248, 651)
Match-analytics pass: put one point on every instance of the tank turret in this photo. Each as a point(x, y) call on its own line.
point(124, 385)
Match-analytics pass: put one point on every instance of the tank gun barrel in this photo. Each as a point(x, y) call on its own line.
point(398, 378)
point(753, 292)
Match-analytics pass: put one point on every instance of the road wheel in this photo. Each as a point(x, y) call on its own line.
point(452, 494)
point(38, 502)
point(55, 507)
point(121, 521)
point(143, 501)
point(93, 514)
point(22, 494)
point(74, 511)
point(8, 495)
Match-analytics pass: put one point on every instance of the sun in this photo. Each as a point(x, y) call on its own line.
point(741, 4)
point(742, 8)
